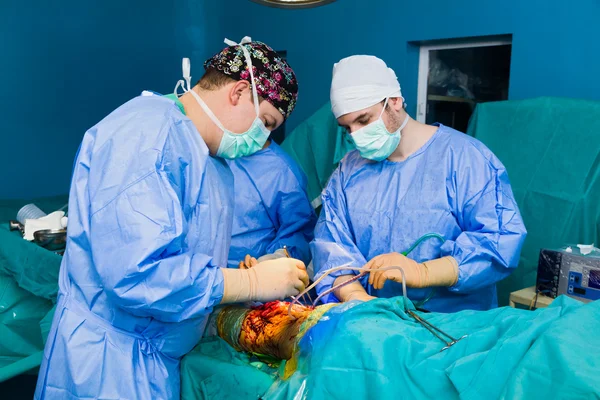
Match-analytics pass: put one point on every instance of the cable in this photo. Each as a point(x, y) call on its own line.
point(357, 277)
point(421, 239)
point(532, 304)
point(346, 268)
point(414, 246)
point(434, 330)
point(537, 292)
point(366, 271)
point(338, 286)
point(287, 254)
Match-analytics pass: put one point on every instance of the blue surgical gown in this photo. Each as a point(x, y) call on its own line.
point(150, 216)
point(272, 208)
point(454, 186)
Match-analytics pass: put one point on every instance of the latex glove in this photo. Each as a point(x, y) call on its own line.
point(267, 281)
point(273, 256)
point(352, 291)
point(439, 272)
point(248, 262)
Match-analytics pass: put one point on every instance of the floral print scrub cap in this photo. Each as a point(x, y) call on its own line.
point(275, 80)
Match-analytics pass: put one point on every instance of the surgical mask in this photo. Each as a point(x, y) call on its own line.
point(233, 145)
point(374, 141)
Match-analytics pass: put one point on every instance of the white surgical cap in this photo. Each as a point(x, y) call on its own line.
point(360, 82)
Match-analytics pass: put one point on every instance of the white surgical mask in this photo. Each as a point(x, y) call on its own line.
point(374, 141)
point(233, 145)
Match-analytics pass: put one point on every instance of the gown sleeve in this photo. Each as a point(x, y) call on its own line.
point(489, 247)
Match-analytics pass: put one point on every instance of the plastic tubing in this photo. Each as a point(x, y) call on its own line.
point(345, 267)
point(421, 239)
point(366, 271)
point(334, 288)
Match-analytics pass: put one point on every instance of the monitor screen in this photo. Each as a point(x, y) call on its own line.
point(594, 281)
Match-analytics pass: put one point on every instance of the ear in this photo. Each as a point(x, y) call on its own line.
point(237, 90)
point(397, 103)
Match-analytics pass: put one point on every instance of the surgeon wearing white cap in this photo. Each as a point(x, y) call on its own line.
point(407, 180)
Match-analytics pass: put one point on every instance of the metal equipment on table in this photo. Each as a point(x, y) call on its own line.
point(16, 226)
point(54, 240)
point(51, 239)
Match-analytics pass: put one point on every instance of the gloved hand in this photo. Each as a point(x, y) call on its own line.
point(267, 281)
point(439, 272)
point(352, 291)
point(248, 262)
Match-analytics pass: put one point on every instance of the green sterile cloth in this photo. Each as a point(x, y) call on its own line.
point(214, 370)
point(318, 145)
point(34, 268)
point(20, 335)
point(551, 150)
point(375, 350)
point(28, 287)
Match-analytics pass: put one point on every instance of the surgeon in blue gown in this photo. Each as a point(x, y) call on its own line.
point(150, 216)
point(406, 180)
point(271, 209)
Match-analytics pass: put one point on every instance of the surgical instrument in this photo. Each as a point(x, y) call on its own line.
point(287, 254)
point(426, 324)
point(404, 253)
point(437, 332)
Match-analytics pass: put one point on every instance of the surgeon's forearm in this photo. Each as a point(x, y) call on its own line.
point(351, 291)
point(439, 272)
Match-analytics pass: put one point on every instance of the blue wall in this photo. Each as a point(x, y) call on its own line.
point(67, 65)
point(199, 27)
point(64, 68)
point(556, 49)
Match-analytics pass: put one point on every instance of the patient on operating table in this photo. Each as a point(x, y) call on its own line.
point(272, 329)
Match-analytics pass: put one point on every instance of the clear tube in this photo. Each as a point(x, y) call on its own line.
point(346, 268)
point(339, 286)
point(365, 271)
point(421, 239)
